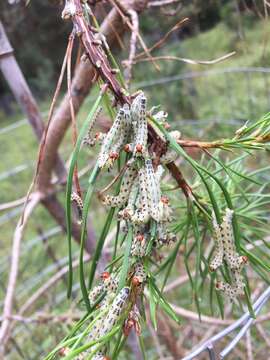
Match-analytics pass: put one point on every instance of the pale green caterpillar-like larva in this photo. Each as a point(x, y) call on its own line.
point(138, 113)
point(79, 204)
point(141, 215)
point(91, 139)
point(115, 311)
point(139, 244)
point(110, 137)
point(217, 258)
point(154, 193)
point(125, 188)
point(233, 259)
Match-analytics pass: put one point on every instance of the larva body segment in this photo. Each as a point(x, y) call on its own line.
point(139, 275)
point(154, 194)
point(110, 137)
point(129, 210)
point(231, 256)
point(111, 283)
point(93, 295)
point(91, 139)
point(79, 203)
point(138, 113)
point(99, 356)
point(164, 237)
point(142, 215)
point(218, 254)
point(123, 196)
point(115, 311)
point(139, 243)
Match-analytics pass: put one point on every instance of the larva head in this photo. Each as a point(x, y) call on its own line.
point(127, 148)
point(113, 155)
point(63, 352)
point(105, 275)
point(140, 237)
point(244, 259)
point(135, 281)
point(167, 125)
point(165, 200)
point(219, 285)
point(139, 148)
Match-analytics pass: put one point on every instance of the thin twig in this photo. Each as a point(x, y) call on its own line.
point(133, 41)
point(185, 60)
point(164, 38)
point(162, 3)
point(14, 267)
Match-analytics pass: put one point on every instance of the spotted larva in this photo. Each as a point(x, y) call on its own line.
point(128, 211)
point(125, 189)
point(234, 290)
point(93, 295)
point(164, 237)
point(138, 113)
point(139, 275)
point(111, 283)
point(115, 311)
point(139, 243)
point(89, 139)
point(154, 194)
point(121, 137)
point(218, 254)
point(79, 204)
point(232, 258)
point(99, 356)
point(141, 215)
point(110, 137)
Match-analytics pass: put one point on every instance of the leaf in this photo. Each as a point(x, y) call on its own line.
point(125, 266)
point(73, 161)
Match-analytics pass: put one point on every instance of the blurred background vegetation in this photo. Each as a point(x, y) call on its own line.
point(205, 102)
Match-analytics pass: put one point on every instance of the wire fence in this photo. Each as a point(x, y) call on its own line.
point(223, 98)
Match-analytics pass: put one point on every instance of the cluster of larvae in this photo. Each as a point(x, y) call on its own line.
point(112, 308)
point(225, 250)
point(140, 199)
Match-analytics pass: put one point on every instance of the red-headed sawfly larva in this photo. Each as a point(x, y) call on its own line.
point(139, 274)
point(138, 113)
point(79, 204)
point(128, 211)
point(95, 292)
point(235, 289)
point(154, 193)
point(139, 243)
point(233, 259)
point(125, 188)
point(115, 311)
point(164, 237)
point(89, 139)
point(217, 258)
point(141, 214)
point(110, 281)
point(110, 137)
point(121, 137)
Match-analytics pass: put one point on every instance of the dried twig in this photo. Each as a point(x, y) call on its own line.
point(187, 61)
point(14, 267)
point(133, 40)
point(162, 3)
